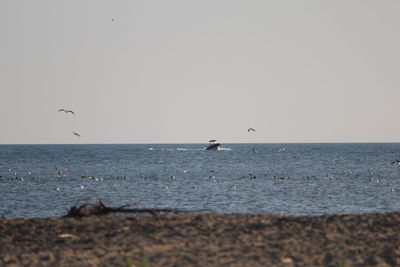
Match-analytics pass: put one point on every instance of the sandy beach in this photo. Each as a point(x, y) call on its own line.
point(202, 240)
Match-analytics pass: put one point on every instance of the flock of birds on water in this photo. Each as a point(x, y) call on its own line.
point(12, 174)
point(212, 176)
point(84, 181)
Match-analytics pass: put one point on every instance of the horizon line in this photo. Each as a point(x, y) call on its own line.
point(195, 143)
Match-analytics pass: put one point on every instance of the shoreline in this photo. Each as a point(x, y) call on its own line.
point(198, 239)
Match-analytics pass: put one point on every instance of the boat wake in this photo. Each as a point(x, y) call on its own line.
point(175, 149)
point(185, 149)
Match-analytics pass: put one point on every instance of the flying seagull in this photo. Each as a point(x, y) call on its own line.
point(251, 129)
point(75, 133)
point(67, 111)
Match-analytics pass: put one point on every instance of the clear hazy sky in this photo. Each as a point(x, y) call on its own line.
point(189, 71)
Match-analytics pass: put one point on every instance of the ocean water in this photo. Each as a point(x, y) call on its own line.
point(301, 179)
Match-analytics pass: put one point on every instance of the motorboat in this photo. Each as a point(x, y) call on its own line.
point(213, 145)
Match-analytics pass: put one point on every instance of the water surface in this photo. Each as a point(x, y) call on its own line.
point(304, 179)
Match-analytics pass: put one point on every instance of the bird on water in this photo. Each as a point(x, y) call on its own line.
point(61, 172)
point(397, 161)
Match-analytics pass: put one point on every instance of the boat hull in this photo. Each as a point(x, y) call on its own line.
point(214, 147)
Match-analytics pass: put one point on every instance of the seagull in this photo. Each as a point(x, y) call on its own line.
point(61, 172)
point(75, 133)
point(251, 129)
point(91, 176)
point(397, 161)
point(67, 111)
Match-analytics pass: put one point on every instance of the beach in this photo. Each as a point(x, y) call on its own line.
point(202, 239)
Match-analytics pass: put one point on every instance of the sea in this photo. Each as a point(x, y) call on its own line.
point(288, 179)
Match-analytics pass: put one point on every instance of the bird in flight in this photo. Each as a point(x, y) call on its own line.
point(75, 133)
point(251, 129)
point(67, 111)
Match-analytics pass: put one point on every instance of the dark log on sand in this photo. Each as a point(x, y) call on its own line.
point(99, 208)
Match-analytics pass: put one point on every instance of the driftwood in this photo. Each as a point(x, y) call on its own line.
point(99, 208)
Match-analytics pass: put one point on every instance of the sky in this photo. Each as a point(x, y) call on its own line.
point(184, 71)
